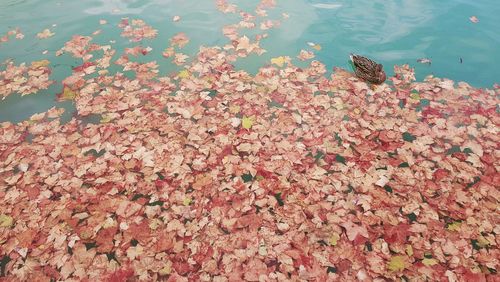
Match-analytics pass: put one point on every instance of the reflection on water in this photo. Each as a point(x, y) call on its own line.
point(327, 5)
point(380, 22)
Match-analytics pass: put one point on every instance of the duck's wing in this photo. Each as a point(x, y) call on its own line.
point(363, 64)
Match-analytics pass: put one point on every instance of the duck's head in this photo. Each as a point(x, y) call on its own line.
point(381, 76)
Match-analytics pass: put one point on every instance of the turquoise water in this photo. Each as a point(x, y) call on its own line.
point(390, 31)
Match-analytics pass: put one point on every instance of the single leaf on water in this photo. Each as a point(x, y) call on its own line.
point(40, 64)
point(279, 61)
point(317, 47)
point(67, 94)
point(46, 33)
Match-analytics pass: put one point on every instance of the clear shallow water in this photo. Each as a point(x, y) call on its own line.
point(391, 31)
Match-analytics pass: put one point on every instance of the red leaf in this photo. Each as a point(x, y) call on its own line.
point(120, 275)
point(396, 234)
point(440, 174)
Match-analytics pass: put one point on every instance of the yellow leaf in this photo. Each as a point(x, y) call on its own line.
point(187, 201)
point(46, 33)
point(317, 47)
point(397, 263)
point(166, 270)
point(482, 242)
point(154, 224)
point(67, 94)
point(184, 74)
point(415, 96)
point(105, 119)
point(279, 61)
point(430, 262)
point(40, 64)
point(259, 177)
point(455, 226)
point(247, 122)
point(334, 239)
point(5, 220)
point(409, 250)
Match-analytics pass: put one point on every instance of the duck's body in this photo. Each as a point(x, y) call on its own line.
point(368, 70)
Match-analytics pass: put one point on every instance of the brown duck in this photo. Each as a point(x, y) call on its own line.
point(368, 70)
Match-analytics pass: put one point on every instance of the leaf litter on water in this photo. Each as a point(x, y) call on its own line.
point(212, 173)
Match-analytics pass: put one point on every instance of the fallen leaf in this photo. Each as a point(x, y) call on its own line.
point(334, 239)
point(247, 122)
point(6, 221)
point(455, 226)
point(430, 261)
point(46, 33)
point(42, 63)
point(184, 74)
point(397, 263)
point(279, 61)
point(305, 55)
point(67, 94)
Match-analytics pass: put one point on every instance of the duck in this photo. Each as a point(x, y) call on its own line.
point(368, 70)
